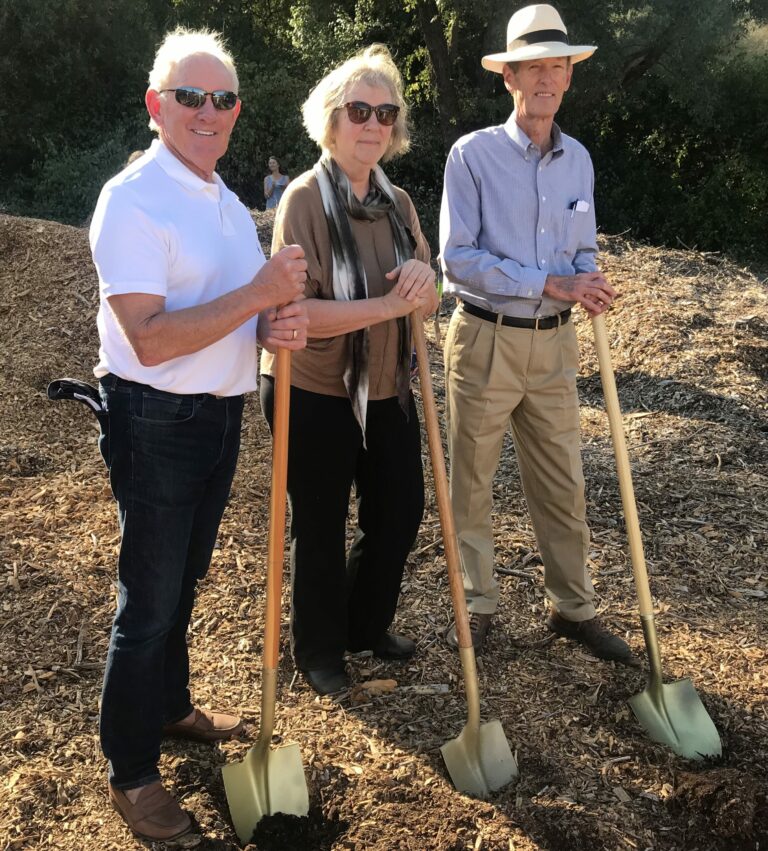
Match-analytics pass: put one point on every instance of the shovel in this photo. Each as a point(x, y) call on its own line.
point(671, 713)
point(72, 388)
point(270, 781)
point(479, 760)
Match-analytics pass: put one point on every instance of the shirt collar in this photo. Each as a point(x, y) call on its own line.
point(518, 136)
point(176, 170)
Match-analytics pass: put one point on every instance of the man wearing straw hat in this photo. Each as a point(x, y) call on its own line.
point(518, 246)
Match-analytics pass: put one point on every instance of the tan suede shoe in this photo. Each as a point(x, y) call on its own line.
point(479, 624)
point(156, 815)
point(206, 726)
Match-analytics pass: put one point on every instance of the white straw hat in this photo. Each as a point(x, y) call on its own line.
point(536, 32)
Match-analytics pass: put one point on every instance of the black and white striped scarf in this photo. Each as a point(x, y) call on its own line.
point(349, 280)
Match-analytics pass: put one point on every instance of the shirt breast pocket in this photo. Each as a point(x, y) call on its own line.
point(575, 229)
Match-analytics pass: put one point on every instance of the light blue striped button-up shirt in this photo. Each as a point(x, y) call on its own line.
point(510, 217)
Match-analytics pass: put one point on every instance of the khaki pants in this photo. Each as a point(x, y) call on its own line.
point(498, 376)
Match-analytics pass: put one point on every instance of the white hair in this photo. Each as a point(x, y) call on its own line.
point(373, 66)
point(179, 45)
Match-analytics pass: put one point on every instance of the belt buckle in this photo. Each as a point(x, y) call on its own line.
point(536, 325)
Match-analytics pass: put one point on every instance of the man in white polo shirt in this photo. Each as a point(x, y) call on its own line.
point(185, 293)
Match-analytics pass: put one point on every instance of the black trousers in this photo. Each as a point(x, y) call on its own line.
point(342, 602)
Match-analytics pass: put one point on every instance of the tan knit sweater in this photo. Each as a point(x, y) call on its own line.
point(300, 220)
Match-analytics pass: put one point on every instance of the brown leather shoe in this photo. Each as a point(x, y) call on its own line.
point(156, 815)
point(593, 635)
point(206, 726)
point(479, 624)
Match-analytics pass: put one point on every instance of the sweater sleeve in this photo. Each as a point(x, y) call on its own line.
point(300, 221)
point(422, 251)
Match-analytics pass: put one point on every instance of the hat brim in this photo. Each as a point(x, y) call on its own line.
point(543, 50)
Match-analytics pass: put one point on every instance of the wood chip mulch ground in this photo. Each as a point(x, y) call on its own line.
point(690, 344)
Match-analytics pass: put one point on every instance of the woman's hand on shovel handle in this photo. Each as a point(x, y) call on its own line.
point(284, 327)
point(416, 283)
point(589, 289)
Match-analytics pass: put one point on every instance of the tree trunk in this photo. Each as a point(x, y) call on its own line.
point(433, 30)
point(641, 61)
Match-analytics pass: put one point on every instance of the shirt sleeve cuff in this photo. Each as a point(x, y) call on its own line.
point(530, 282)
point(110, 288)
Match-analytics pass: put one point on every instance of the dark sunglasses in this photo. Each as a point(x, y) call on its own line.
point(358, 112)
point(194, 98)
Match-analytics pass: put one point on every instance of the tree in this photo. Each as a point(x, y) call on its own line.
point(71, 82)
point(672, 105)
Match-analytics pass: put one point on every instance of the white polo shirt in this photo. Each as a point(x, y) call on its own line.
point(160, 229)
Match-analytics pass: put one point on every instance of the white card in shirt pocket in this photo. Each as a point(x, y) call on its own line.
point(582, 207)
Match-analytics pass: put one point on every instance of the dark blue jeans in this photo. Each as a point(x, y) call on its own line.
point(171, 460)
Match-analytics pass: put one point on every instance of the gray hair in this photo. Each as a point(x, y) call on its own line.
point(372, 66)
point(179, 45)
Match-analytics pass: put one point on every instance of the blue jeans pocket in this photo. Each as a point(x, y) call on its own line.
point(165, 407)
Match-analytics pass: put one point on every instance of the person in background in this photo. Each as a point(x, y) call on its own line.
point(353, 418)
point(518, 246)
point(185, 292)
point(274, 184)
point(134, 155)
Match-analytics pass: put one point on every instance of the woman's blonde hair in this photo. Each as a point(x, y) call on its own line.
point(179, 45)
point(372, 66)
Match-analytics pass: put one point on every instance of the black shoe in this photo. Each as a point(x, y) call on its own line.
point(396, 647)
point(479, 624)
point(327, 680)
point(595, 638)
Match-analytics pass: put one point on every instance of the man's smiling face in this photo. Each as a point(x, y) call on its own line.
point(538, 86)
point(198, 137)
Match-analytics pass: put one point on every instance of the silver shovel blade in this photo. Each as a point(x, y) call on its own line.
point(253, 792)
point(674, 715)
point(480, 763)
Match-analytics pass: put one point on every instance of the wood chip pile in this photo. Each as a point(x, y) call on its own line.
point(689, 338)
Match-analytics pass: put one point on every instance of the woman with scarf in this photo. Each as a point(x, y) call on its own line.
point(353, 420)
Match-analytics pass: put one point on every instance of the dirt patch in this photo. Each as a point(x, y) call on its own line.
point(278, 831)
point(726, 799)
point(689, 340)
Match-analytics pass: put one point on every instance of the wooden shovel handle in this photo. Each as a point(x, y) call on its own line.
point(277, 503)
point(622, 467)
point(444, 508)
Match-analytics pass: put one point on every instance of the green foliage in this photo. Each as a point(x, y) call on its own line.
point(68, 73)
point(673, 105)
point(681, 158)
point(69, 179)
point(70, 77)
point(269, 125)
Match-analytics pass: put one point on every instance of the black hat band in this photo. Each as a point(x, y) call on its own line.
point(537, 37)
